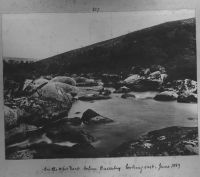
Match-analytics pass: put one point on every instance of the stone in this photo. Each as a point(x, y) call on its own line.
point(64, 79)
point(170, 141)
point(127, 95)
point(166, 96)
point(11, 117)
point(91, 117)
point(132, 78)
point(57, 91)
point(187, 98)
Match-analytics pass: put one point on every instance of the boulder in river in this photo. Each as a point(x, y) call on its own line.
point(132, 78)
point(31, 85)
point(64, 79)
point(166, 96)
point(169, 141)
point(91, 117)
point(127, 95)
point(123, 89)
point(187, 98)
point(57, 91)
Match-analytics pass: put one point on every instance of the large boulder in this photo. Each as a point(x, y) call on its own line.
point(91, 117)
point(10, 117)
point(31, 85)
point(166, 96)
point(157, 75)
point(57, 91)
point(187, 98)
point(170, 141)
point(185, 86)
point(64, 79)
point(62, 132)
point(132, 79)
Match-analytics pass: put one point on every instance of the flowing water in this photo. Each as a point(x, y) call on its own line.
point(133, 117)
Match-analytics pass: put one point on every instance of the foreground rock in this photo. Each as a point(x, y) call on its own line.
point(35, 111)
point(166, 96)
point(91, 117)
point(52, 151)
point(55, 140)
point(163, 142)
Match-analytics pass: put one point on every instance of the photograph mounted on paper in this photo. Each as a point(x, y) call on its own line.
point(109, 84)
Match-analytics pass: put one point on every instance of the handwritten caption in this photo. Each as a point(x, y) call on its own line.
point(102, 168)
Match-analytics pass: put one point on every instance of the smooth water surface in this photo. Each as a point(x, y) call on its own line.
point(133, 117)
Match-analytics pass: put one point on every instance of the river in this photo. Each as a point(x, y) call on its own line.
point(133, 117)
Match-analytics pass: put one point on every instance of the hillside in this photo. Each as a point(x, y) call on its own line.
point(171, 44)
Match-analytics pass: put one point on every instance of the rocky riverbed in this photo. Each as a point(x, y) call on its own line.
point(38, 123)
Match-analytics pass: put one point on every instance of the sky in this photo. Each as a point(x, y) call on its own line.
point(39, 36)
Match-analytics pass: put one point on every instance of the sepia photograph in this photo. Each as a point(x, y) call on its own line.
point(95, 85)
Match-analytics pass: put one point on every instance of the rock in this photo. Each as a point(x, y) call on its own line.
point(91, 97)
point(11, 117)
point(123, 89)
point(44, 151)
point(166, 96)
point(142, 85)
point(158, 76)
point(65, 132)
point(57, 91)
point(127, 95)
point(19, 133)
point(30, 85)
point(171, 141)
point(185, 86)
point(64, 79)
point(91, 117)
point(187, 98)
point(20, 154)
point(37, 111)
point(132, 79)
